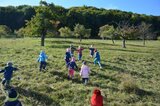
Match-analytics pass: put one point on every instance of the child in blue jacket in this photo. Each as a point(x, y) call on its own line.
point(67, 56)
point(42, 59)
point(12, 98)
point(71, 68)
point(97, 58)
point(8, 71)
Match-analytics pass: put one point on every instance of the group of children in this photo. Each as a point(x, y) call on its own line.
point(71, 63)
point(12, 99)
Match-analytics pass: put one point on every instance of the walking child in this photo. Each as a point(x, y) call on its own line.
point(8, 71)
point(79, 50)
point(42, 59)
point(71, 68)
point(91, 51)
point(84, 73)
point(12, 98)
point(72, 49)
point(97, 98)
point(67, 56)
point(97, 58)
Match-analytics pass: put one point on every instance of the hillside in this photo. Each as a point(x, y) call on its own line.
point(129, 76)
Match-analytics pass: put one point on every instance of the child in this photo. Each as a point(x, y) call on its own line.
point(72, 49)
point(91, 51)
point(8, 71)
point(97, 98)
point(67, 56)
point(12, 99)
point(71, 68)
point(85, 70)
point(42, 59)
point(79, 52)
point(97, 58)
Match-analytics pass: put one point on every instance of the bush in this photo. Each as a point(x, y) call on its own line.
point(128, 84)
point(5, 31)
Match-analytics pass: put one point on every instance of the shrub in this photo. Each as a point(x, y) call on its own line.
point(128, 84)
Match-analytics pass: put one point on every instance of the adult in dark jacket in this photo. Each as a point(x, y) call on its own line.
point(12, 98)
point(8, 71)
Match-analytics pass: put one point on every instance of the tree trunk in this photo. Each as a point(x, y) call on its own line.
point(80, 38)
point(43, 37)
point(124, 43)
point(112, 41)
point(144, 40)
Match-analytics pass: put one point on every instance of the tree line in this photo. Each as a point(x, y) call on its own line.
point(52, 21)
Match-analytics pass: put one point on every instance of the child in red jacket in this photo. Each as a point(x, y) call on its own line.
point(79, 50)
point(97, 99)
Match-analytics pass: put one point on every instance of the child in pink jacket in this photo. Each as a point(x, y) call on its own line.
point(84, 73)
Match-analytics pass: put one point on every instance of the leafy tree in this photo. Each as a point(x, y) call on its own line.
point(144, 31)
point(4, 31)
point(87, 33)
point(79, 31)
point(107, 31)
point(43, 21)
point(65, 32)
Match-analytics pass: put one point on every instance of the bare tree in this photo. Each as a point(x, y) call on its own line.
point(124, 29)
point(144, 31)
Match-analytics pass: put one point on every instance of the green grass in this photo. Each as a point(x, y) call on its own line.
point(129, 76)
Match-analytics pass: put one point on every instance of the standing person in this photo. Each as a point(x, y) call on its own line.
point(79, 50)
point(42, 59)
point(67, 56)
point(97, 58)
point(97, 98)
point(12, 98)
point(72, 49)
point(91, 51)
point(8, 71)
point(71, 68)
point(84, 73)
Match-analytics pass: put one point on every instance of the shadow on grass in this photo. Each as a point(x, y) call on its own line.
point(41, 98)
point(99, 75)
point(61, 75)
point(142, 93)
point(114, 68)
point(126, 50)
point(68, 42)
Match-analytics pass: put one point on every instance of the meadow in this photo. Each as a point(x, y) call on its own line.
point(130, 76)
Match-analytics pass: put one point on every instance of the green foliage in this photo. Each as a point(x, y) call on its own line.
point(80, 31)
point(65, 32)
point(4, 31)
point(90, 17)
point(106, 31)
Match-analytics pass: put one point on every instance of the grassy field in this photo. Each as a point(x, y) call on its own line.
point(129, 76)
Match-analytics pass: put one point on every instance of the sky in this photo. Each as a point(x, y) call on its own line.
point(149, 7)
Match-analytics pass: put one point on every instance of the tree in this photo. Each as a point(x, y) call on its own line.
point(87, 33)
point(65, 32)
point(80, 31)
point(144, 31)
point(107, 31)
point(124, 30)
point(43, 21)
point(4, 31)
